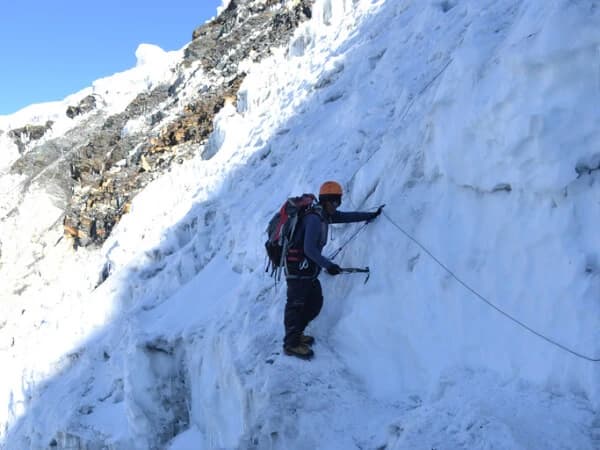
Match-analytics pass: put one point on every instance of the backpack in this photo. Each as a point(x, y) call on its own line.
point(281, 230)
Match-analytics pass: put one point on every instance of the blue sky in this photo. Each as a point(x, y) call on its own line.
point(50, 49)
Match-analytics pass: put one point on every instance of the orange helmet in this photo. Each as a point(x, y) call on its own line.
point(330, 188)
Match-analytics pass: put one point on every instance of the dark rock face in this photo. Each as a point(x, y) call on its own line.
point(107, 172)
point(97, 169)
point(245, 27)
point(196, 123)
point(22, 136)
point(84, 106)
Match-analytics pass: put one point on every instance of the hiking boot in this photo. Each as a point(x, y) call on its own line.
point(307, 340)
point(302, 351)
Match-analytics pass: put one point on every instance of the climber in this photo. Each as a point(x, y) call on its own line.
point(304, 261)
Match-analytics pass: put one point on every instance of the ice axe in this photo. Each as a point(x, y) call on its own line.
point(357, 270)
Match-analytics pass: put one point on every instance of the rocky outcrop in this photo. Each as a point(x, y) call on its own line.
point(25, 135)
point(107, 172)
point(100, 167)
point(107, 185)
point(245, 28)
point(84, 106)
point(196, 122)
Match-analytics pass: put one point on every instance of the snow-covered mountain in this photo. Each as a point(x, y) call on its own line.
point(136, 313)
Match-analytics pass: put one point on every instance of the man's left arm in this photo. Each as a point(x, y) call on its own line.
point(354, 216)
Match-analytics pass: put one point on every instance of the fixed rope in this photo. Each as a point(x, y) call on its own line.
point(486, 301)
point(337, 252)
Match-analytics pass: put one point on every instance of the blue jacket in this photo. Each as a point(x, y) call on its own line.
point(304, 259)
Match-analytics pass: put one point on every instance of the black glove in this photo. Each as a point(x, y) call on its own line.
point(375, 214)
point(334, 269)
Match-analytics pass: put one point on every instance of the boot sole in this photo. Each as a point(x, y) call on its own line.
point(297, 355)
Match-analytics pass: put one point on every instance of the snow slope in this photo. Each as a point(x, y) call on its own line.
point(477, 124)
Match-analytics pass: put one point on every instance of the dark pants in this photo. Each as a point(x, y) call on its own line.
point(304, 302)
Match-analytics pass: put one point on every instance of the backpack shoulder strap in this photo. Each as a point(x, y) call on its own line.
point(315, 209)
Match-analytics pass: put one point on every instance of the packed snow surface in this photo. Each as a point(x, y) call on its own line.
point(476, 122)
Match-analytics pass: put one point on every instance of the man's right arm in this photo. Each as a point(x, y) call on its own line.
point(312, 238)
